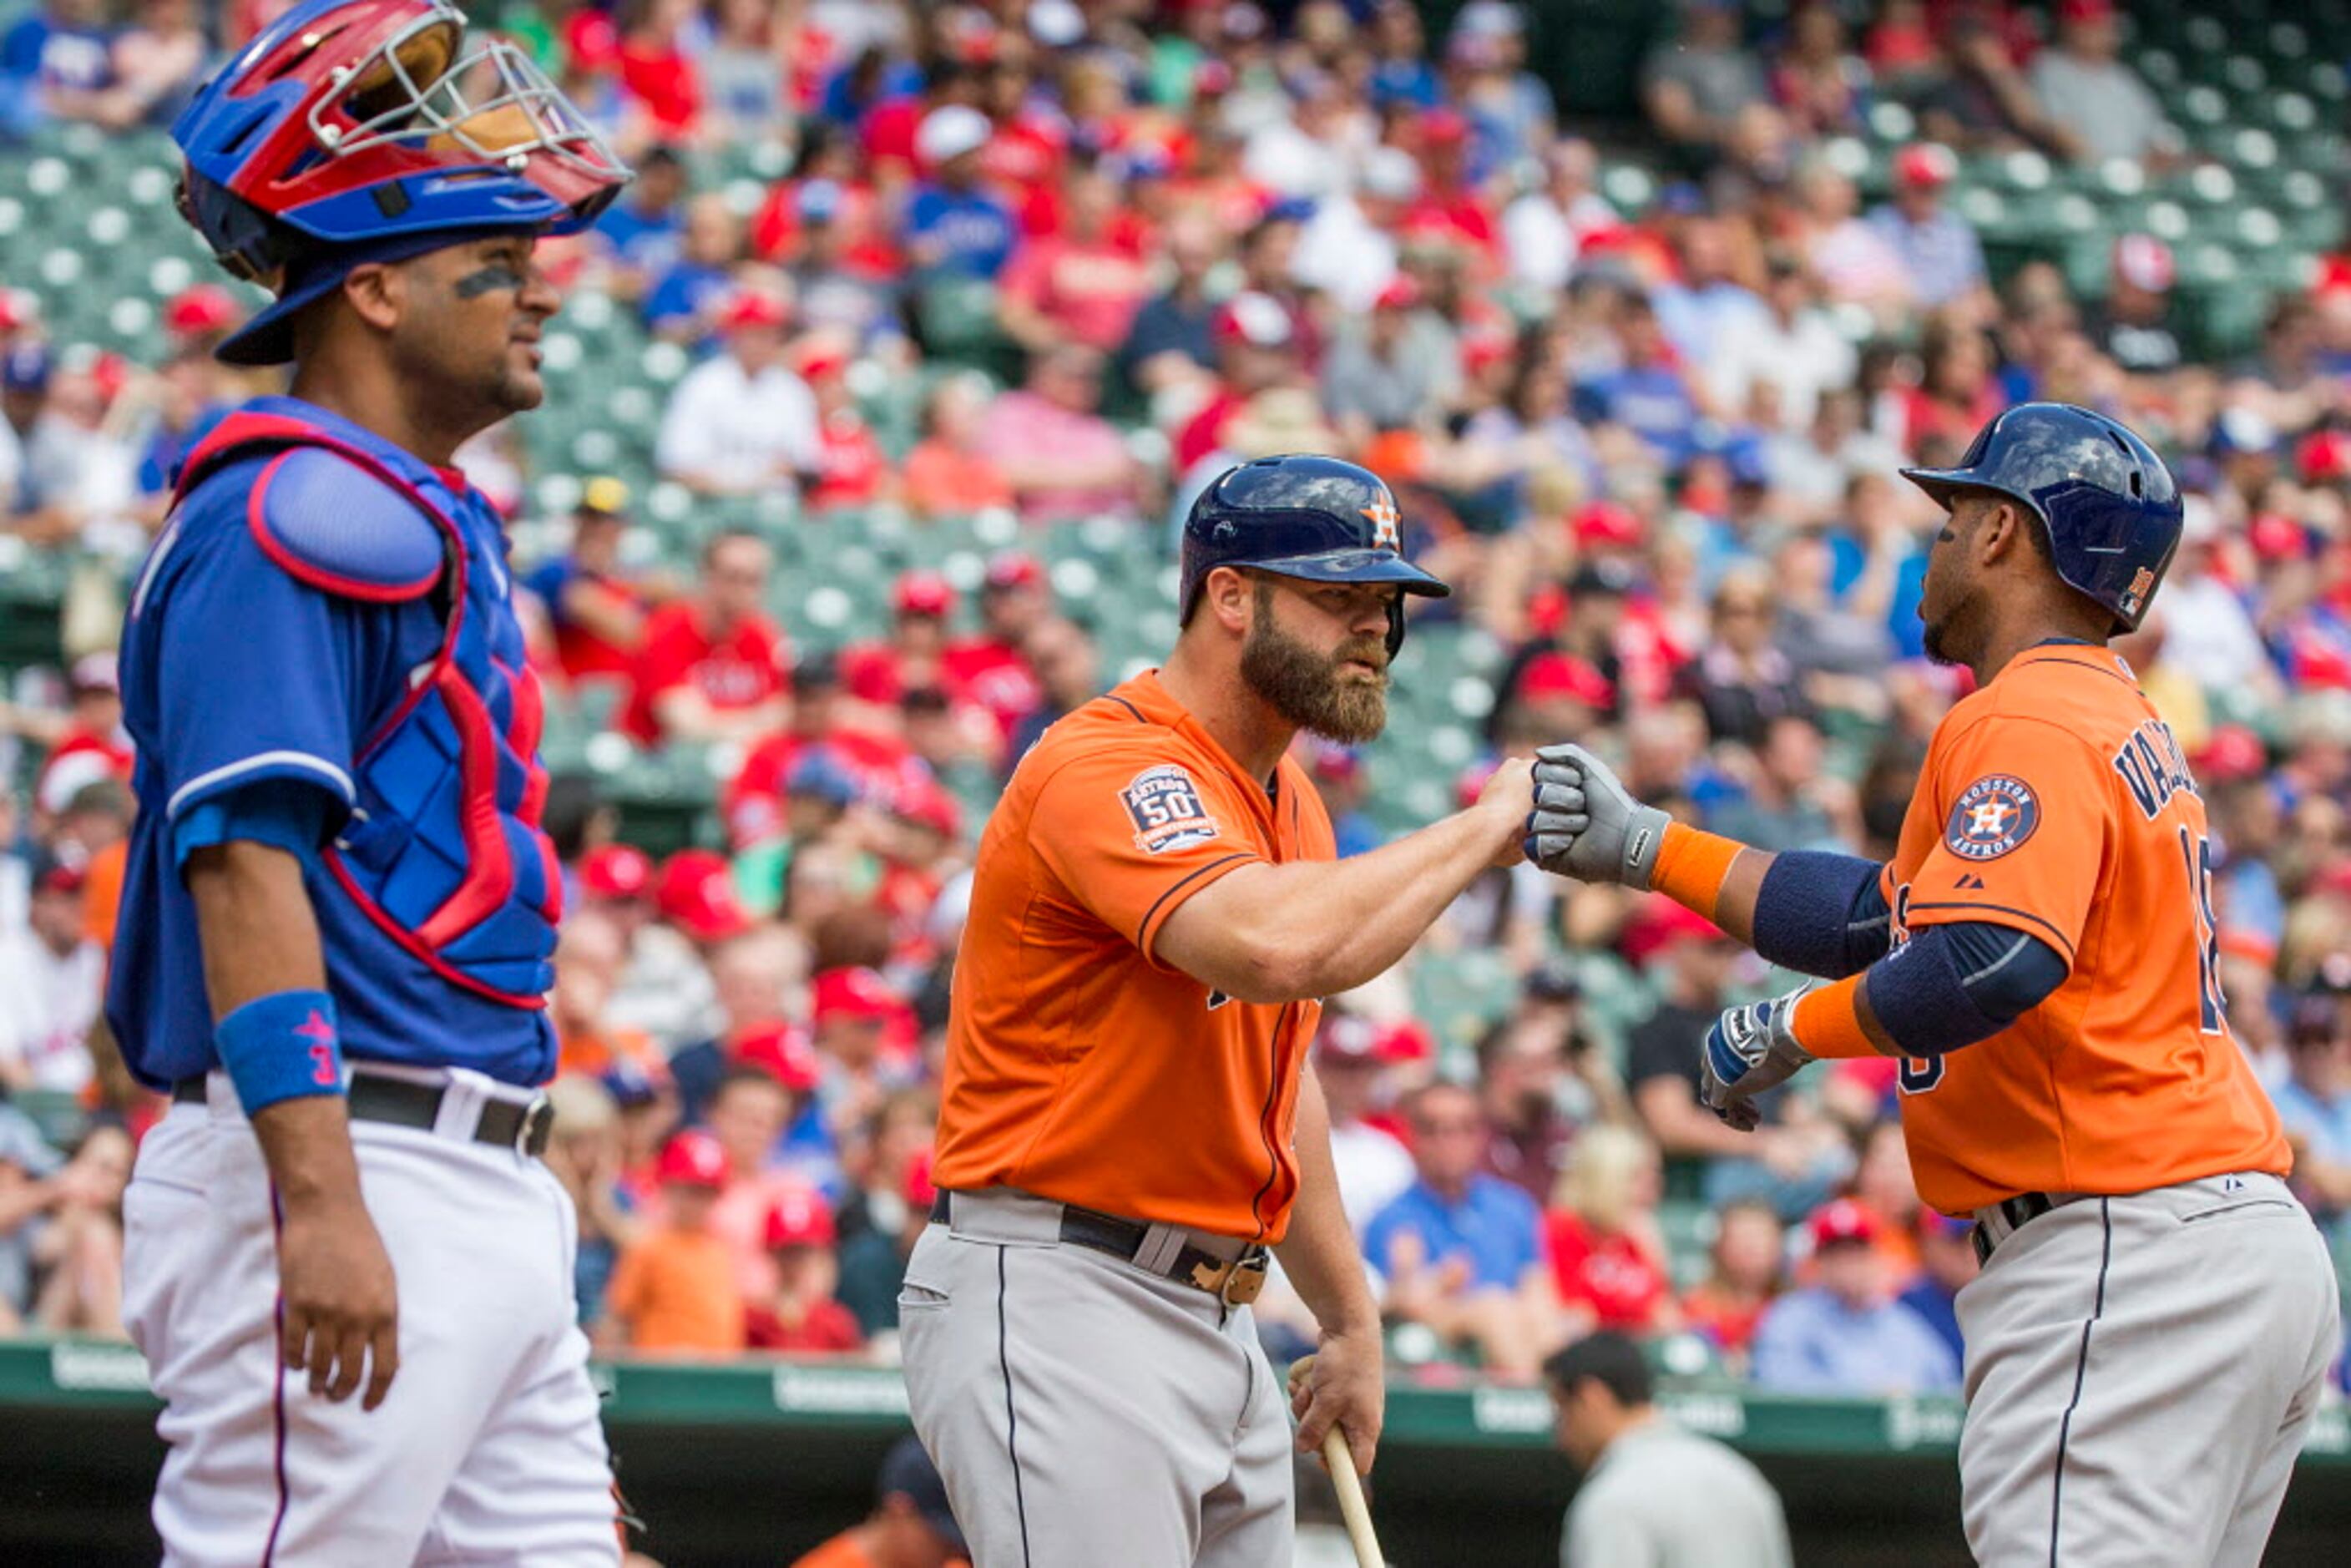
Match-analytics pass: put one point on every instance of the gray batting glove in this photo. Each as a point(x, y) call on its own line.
point(1750, 1049)
point(1586, 825)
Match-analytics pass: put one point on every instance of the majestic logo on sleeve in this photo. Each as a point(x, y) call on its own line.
point(1164, 802)
point(1992, 816)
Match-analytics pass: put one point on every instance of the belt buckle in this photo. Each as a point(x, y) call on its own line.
point(1244, 1279)
point(538, 1123)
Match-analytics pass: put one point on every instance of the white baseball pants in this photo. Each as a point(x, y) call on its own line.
point(2140, 1373)
point(488, 1450)
point(1086, 1412)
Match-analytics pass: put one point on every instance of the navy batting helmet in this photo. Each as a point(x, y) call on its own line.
point(1316, 518)
point(2110, 506)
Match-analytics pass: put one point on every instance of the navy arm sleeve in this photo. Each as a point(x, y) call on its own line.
point(1952, 985)
point(1821, 914)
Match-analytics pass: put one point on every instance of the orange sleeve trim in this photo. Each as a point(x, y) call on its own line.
point(1691, 867)
point(1827, 1021)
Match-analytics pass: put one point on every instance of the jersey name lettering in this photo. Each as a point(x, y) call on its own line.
point(2154, 767)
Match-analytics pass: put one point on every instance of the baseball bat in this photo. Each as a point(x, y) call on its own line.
point(1340, 1461)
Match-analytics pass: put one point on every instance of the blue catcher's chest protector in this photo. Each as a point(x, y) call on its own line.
point(442, 850)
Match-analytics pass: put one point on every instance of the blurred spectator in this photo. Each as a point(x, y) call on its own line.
point(644, 229)
point(1818, 84)
point(1348, 249)
point(1061, 457)
point(1170, 343)
point(911, 1524)
point(1083, 283)
point(1375, 1168)
point(585, 1153)
point(950, 473)
point(1641, 1473)
point(1982, 102)
point(881, 673)
point(1791, 346)
point(589, 956)
point(1957, 393)
point(1389, 371)
point(674, 1290)
point(754, 1106)
point(1533, 1066)
point(1789, 802)
point(157, 61)
point(1746, 1270)
point(1947, 1258)
point(953, 226)
point(1935, 248)
point(711, 664)
point(79, 1251)
point(842, 284)
point(27, 1166)
point(597, 607)
point(1068, 670)
point(851, 470)
point(56, 63)
point(1855, 261)
point(2096, 105)
point(1601, 1233)
point(741, 422)
point(1789, 1162)
point(1545, 230)
point(801, 1317)
point(1462, 1251)
point(1846, 1334)
point(2132, 325)
point(1258, 348)
point(2314, 1104)
point(887, 1170)
point(665, 987)
point(1696, 86)
point(1743, 680)
point(51, 973)
point(686, 297)
point(85, 744)
point(1649, 392)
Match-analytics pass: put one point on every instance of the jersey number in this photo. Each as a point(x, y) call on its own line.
point(2198, 852)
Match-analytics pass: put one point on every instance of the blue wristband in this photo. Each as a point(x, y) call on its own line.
point(281, 1047)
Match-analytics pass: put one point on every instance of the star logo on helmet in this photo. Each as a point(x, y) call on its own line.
point(1383, 514)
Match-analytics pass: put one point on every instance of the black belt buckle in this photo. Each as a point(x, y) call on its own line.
point(535, 1126)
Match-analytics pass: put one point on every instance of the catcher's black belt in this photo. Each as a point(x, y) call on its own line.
point(1235, 1281)
point(501, 1123)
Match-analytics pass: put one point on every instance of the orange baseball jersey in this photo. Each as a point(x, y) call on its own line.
point(2056, 801)
point(1078, 1066)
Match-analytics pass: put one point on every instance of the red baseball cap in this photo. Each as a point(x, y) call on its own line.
point(2324, 456)
point(1348, 1038)
point(1015, 569)
point(1257, 319)
point(2229, 753)
point(696, 894)
point(1658, 924)
point(854, 992)
point(693, 1158)
point(1926, 163)
point(752, 308)
point(1444, 127)
point(1408, 1039)
point(1399, 293)
point(819, 360)
point(1843, 1220)
point(929, 805)
point(200, 308)
point(2086, 10)
point(1606, 522)
point(799, 1218)
point(1551, 677)
point(781, 1051)
point(2145, 262)
point(923, 592)
point(616, 871)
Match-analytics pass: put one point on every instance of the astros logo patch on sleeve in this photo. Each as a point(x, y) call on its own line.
point(1992, 816)
point(1165, 804)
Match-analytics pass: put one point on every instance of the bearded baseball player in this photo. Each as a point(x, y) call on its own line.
point(2146, 1341)
point(1129, 1121)
point(347, 1269)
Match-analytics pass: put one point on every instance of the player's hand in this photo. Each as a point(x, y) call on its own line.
point(1345, 1382)
point(1508, 796)
point(1585, 823)
point(1749, 1050)
point(342, 1305)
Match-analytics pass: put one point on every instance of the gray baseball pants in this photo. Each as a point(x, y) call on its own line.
point(2140, 1373)
point(1083, 1412)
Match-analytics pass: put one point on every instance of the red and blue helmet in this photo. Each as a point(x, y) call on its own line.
point(368, 127)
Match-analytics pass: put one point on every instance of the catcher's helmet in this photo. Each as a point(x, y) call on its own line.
point(1305, 517)
point(2110, 506)
point(367, 125)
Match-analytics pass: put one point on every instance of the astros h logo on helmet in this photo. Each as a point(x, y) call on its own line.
point(1384, 516)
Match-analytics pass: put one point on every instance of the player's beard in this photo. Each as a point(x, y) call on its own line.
point(1310, 689)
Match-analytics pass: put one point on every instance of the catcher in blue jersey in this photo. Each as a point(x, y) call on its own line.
point(347, 1269)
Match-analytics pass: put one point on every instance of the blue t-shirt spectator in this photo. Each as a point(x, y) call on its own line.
point(43, 51)
point(1811, 1341)
point(1651, 401)
point(683, 292)
point(1493, 1224)
point(642, 239)
point(959, 234)
point(1938, 1309)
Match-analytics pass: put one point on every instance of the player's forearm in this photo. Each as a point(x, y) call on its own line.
point(1319, 1254)
point(1312, 929)
point(260, 939)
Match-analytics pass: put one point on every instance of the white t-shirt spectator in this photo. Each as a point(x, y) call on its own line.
point(1803, 358)
point(2210, 637)
point(2102, 102)
point(1373, 1170)
point(728, 431)
point(1344, 255)
point(1542, 242)
point(47, 1004)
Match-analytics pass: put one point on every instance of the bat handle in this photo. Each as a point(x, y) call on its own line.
point(1341, 1462)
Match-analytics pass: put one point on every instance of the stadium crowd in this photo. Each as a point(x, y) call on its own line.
point(1654, 449)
